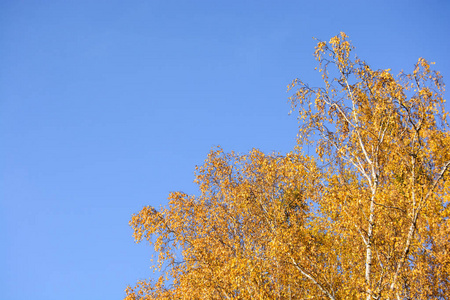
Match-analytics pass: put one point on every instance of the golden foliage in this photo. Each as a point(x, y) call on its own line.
point(368, 218)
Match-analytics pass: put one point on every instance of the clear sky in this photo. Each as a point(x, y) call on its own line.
point(107, 106)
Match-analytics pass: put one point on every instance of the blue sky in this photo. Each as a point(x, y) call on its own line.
point(107, 106)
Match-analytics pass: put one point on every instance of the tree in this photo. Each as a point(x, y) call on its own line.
point(367, 217)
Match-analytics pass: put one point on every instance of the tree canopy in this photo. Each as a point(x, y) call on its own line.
point(366, 217)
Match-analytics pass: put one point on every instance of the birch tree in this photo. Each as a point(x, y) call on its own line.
point(366, 217)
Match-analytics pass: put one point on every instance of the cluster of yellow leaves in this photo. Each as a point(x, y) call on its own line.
point(238, 238)
point(370, 218)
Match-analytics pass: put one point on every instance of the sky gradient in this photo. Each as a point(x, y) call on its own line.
point(107, 106)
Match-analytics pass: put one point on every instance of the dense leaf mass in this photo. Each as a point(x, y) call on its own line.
point(367, 217)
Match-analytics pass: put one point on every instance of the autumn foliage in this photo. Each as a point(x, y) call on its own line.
point(367, 217)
